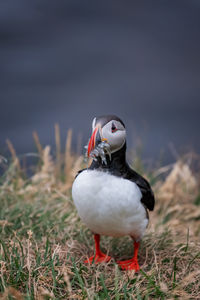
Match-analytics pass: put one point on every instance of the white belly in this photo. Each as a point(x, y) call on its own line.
point(109, 205)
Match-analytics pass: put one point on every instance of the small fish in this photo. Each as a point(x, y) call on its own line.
point(101, 150)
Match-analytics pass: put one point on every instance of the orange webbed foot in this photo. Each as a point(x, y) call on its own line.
point(98, 258)
point(130, 264)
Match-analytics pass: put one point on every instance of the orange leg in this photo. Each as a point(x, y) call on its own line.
point(131, 264)
point(99, 256)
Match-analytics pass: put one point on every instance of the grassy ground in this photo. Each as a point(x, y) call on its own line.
point(43, 243)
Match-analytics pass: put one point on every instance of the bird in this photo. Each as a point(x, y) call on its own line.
point(111, 198)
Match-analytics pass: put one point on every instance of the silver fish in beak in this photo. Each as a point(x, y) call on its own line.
point(98, 146)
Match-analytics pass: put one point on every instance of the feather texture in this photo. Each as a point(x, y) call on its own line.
point(109, 205)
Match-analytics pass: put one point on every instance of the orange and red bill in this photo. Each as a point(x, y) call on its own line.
point(94, 140)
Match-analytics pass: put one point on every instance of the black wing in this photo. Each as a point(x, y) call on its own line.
point(80, 172)
point(147, 194)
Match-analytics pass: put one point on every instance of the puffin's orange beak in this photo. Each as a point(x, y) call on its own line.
point(95, 139)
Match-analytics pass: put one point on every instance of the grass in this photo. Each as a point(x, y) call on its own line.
point(43, 243)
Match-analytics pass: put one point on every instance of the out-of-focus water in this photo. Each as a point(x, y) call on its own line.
point(68, 61)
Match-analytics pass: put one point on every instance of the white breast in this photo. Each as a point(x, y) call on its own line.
point(109, 205)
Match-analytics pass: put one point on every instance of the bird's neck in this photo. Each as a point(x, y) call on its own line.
point(115, 164)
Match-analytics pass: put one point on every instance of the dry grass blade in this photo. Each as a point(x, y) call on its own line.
point(48, 164)
point(190, 278)
point(58, 150)
point(77, 166)
point(68, 157)
point(37, 143)
point(13, 154)
point(181, 175)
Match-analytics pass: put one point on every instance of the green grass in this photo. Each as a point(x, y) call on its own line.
point(43, 245)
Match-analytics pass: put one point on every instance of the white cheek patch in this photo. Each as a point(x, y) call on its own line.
point(115, 139)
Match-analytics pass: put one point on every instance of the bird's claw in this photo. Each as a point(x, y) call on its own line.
point(130, 264)
point(100, 258)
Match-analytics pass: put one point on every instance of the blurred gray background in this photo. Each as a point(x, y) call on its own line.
point(68, 61)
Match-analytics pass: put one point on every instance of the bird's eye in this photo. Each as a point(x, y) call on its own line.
point(113, 128)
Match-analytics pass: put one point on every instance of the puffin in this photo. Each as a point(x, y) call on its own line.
point(111, 198)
